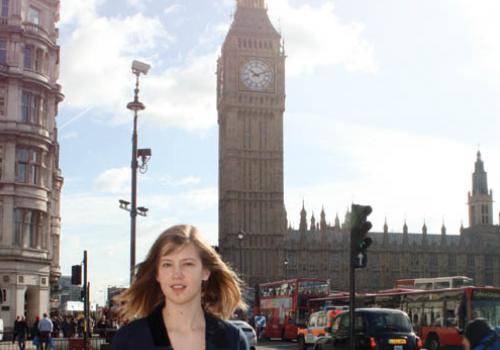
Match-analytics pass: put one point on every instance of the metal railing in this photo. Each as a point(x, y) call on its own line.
point(98, 341)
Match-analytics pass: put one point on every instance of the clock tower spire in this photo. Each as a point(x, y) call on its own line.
point(250, 104)
point(259, 4)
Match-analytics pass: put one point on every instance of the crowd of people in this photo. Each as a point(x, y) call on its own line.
point(44, 329)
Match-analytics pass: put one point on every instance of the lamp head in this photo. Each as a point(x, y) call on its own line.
point(139, 67)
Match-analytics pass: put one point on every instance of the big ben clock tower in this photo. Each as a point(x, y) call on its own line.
point(250, 104)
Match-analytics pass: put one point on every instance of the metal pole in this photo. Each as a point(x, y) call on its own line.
point(241, 259)
point(133, 197)
point(352, 296)
point(85, 301)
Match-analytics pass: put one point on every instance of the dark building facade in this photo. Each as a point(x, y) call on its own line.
point(252, 220)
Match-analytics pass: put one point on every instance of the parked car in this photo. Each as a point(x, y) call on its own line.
point(374, 328)
point(319, 324)
point(248, 331)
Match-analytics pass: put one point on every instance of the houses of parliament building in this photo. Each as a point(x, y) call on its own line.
point(253, 233)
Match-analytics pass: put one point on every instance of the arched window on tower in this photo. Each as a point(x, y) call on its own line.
point(4, 11)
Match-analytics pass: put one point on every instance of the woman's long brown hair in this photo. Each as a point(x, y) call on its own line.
point(221, 294)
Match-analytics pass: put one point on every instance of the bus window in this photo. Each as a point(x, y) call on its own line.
point(441, 285)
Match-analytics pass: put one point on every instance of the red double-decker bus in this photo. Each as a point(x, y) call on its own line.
point(284, 304)
point(435, 314)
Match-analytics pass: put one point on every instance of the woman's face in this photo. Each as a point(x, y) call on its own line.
point(180, 274)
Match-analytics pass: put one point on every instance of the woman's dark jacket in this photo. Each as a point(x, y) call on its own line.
point(150, 333)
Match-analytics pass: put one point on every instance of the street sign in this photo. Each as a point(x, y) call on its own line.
point(360, 260)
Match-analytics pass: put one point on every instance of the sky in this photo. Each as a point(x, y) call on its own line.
point(387, 104)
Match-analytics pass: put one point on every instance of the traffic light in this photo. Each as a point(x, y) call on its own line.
point(82, 295)
point(359, 234)
point(76, 274)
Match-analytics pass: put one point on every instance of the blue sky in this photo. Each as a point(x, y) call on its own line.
point(387, 102)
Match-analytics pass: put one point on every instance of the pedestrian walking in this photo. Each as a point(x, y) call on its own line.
point(45, 327)
point(16, 325)
point(22, 333)
point(480, 335)
point(183, 291)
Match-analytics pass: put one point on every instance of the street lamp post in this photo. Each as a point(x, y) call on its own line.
point(285, 263)
point(138, 68)
point(241, 235)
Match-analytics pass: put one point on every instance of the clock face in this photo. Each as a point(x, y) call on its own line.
point(256, 75)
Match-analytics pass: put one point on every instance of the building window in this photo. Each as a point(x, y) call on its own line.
point(1, 168)
point(3, 51)
point(28, 227)
point(39, 60)
point(18, 225)
point(5, 8)
point(3, 98)
point(28, 166)
point(484, 214)
point(28, 56)
point(33, 109)
point(34, 16)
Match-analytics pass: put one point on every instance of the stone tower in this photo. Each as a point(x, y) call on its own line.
point(480, 200)
point(30, 179)
point(250, 104)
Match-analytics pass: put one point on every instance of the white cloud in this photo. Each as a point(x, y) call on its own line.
point(113, 181)
point(183, 96)
point(317, 37)
point(171, 9)
point(185, 181)
point(482, 19)
point(96, 56)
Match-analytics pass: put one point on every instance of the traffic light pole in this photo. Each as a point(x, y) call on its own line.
point(85, 301)
point(352, 296)
point(359, 243)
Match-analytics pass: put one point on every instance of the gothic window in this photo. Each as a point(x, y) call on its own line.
point(34, 15)
point(5, 8)
point(488, 278)
point(3, 98)
point(28, 225)
point(395, 262)
point(28, 56)
point(414, 261)
point(433, 262)
point(28, 166)
point(488, 261)
point(484, 214)
point(470, 260)
point(3, 51)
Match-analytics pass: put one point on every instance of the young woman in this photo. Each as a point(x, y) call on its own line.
point(180, 294)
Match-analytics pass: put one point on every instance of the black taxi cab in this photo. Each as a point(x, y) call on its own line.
point(374, 328)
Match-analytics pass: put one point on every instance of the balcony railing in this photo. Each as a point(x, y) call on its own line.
point(35, 29)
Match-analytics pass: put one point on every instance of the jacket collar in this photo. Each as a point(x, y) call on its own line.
point(214, 331)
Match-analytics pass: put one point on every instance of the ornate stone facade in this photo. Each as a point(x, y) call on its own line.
point(251, 102)
point(30, 178)
point(251, 97)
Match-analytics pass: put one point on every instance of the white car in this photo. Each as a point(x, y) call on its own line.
point(249, 332)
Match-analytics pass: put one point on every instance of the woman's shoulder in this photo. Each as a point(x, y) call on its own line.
point(225, 333)
point(134, 331)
